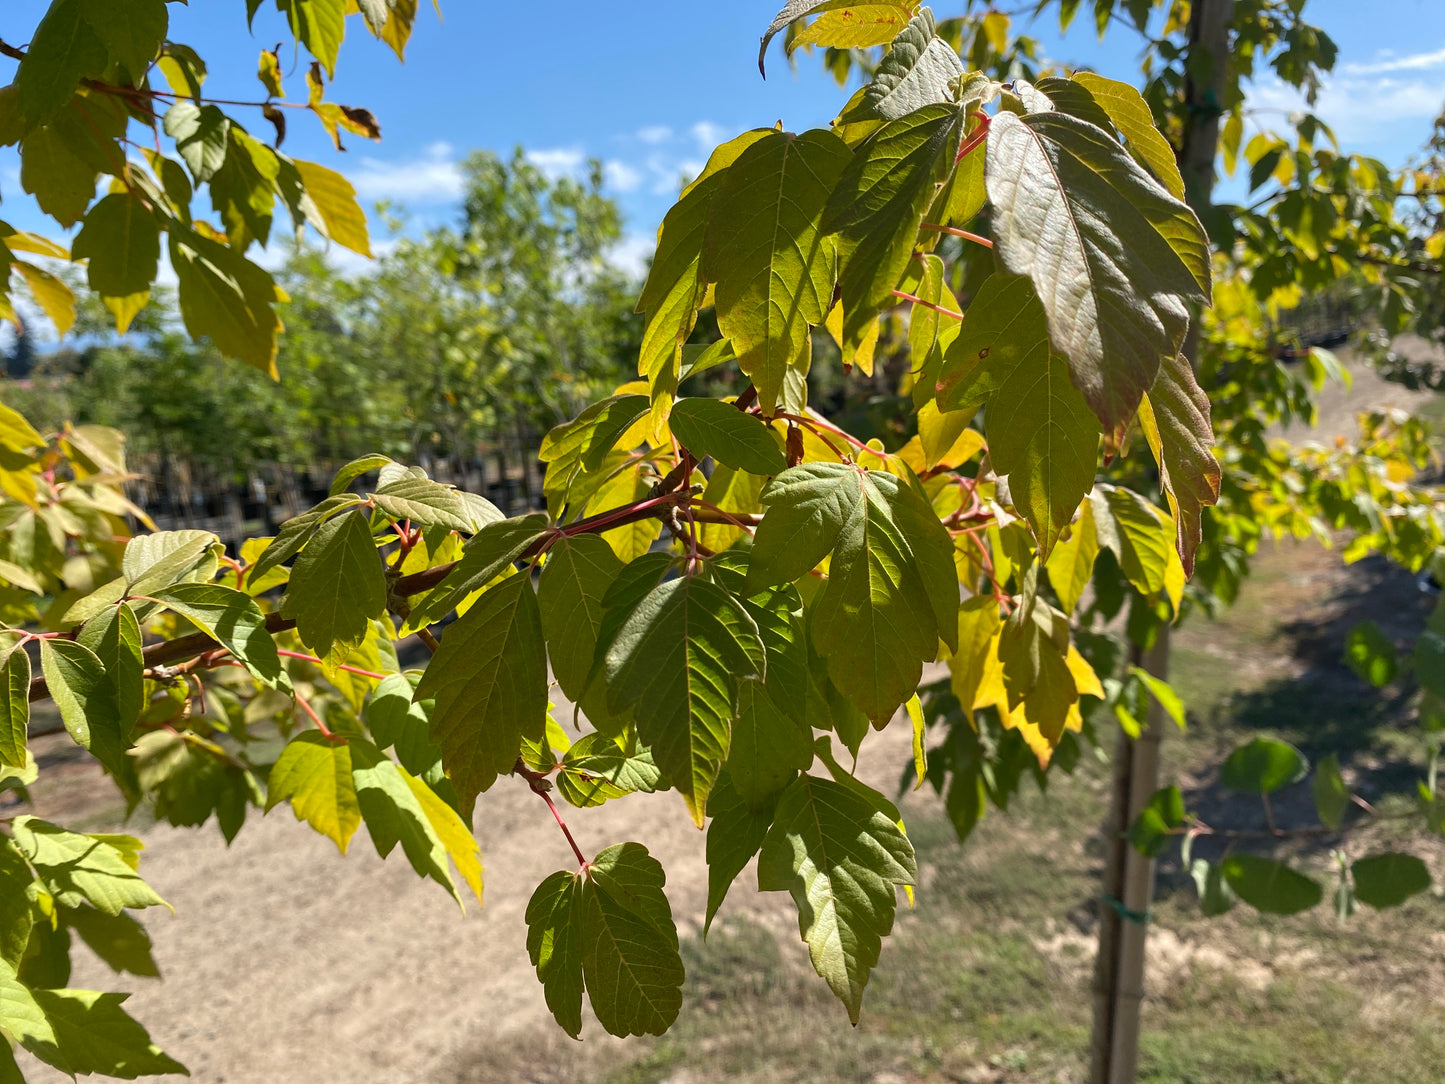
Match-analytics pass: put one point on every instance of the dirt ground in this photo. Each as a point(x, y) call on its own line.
point(286, 962)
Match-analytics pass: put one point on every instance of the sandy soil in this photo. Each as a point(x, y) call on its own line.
point(286, 962)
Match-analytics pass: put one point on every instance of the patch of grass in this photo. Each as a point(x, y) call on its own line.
point(987, 981)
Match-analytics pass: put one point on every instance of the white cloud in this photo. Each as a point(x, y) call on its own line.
point(655, 133)
point(632, 254)
point(557, 162)
point(1389, 63)
point(621, 176)
point(433, 178)
point(708, 134)
point(1361, 110)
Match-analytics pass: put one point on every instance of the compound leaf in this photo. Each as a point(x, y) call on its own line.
point(840, 857)
point(236, 622)
point(314, 774)
point(1114, 257)
point(630, 958)
point(489, 682)
point(337, 586)
point(1174, 416)
point(675, 664)
point(765, 249)
point(79, 868)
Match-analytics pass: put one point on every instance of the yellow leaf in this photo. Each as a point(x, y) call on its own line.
point(51, 294)
point(459, 842)
point(977, 673)
point(995, 28)
point(920, 758)
point(33, 243)
point(335, 200)
point(1071, 563)
point(1086, 681)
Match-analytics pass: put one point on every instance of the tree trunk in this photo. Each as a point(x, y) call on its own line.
point(1128, 875)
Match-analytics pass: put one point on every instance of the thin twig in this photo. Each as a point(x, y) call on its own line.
point(955, 232)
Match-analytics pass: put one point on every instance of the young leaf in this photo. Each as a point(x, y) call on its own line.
point(580, 448)
point(919, 70)
point(630, 958)
point(157, 560)
point(675, 664)
point(424, 502)
point(554, 942)
point(236, 622)
point(1174, 417)
point(1262, 766)
point(1388, 880)
point(314, 774)
point(1269, 886)
point(1114, 257)
point(570, 596)
point(114, 636)
point(14, 702)
point(296, 532)
point(840, 858)
point(765, 249)
point(596, 770)
point(489, 681)
point(78, 868)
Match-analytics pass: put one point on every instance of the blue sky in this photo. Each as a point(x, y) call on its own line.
point(649, 87)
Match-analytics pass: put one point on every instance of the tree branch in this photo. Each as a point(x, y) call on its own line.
point(199, 643)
